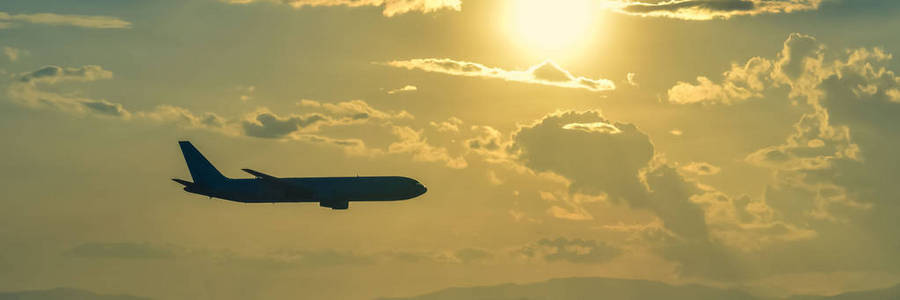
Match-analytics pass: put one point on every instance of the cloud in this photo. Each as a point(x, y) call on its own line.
point(491, 145)
point(13, 54)
point(104, 107)
point(577, 251)
point(700, 169)
point(798, 65)
point(100, 22)
point(848, 139)
point(451, 125)
point(600, 161)
point(268, 125)
point(185, 118)
point(265, 124)
point(560, 143)
point(834, 175)
point(404, 89)
point(742, 82)
point(26, 91)
point(262, 123)
point(611, 162)
point(412, 142)
point(54, 74)
point(120, 251)
point(631, 78)
point(390, 7)
point(570, 207)
point(813, 146)
point(546, 73)
point(701, 10)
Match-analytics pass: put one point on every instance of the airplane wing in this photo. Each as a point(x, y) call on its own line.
point(294, 187)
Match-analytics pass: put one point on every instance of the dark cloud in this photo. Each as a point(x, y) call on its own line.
point(602, 157)
point(269, 125)
point(266, 124)
point(616, 159)
point(834, 185)
point(596, 161)
point(56, 73)
point(714, 9)
point(708, 5)
point(838, 169)
point(27, 91)
point(798, 53)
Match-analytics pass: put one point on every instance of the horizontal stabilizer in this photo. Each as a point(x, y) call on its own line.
point(293, 187)
point(260, 175)
point(183, 182)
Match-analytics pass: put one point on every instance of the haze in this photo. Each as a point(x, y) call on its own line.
point(740, 145)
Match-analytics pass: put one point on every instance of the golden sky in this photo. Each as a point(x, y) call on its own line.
point(745, 144)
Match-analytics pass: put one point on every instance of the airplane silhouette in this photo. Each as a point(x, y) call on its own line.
point(331, 192)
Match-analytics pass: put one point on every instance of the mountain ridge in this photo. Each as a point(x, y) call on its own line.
point(573, 288)
point(61, 293)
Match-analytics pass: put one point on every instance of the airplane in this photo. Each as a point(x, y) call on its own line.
point(331, 192)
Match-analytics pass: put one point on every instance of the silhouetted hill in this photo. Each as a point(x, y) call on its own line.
point(882, 294)
point(63, 294)
point(622, 289)
point(586, 288)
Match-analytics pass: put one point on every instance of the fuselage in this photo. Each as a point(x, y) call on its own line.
point(332, 192)
point(312, 189)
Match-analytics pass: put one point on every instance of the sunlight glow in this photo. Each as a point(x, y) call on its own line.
point(551, 26)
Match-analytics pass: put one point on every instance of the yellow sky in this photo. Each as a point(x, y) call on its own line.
point(742, 144)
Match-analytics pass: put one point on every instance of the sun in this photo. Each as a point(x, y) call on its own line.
point(551, 26)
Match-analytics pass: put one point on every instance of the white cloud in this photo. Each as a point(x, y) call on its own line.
point(404, 89)
point(742, 82)
point(412, 142)
point(631, 78)
point(100, 22)
point(546, 73)
point(451, 125)
point(390, 7)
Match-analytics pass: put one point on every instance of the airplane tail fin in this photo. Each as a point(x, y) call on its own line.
point(201, 170)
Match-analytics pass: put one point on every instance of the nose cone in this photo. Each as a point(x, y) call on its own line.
point(420, 189)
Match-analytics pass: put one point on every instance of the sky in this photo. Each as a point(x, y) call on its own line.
point(733, 143)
